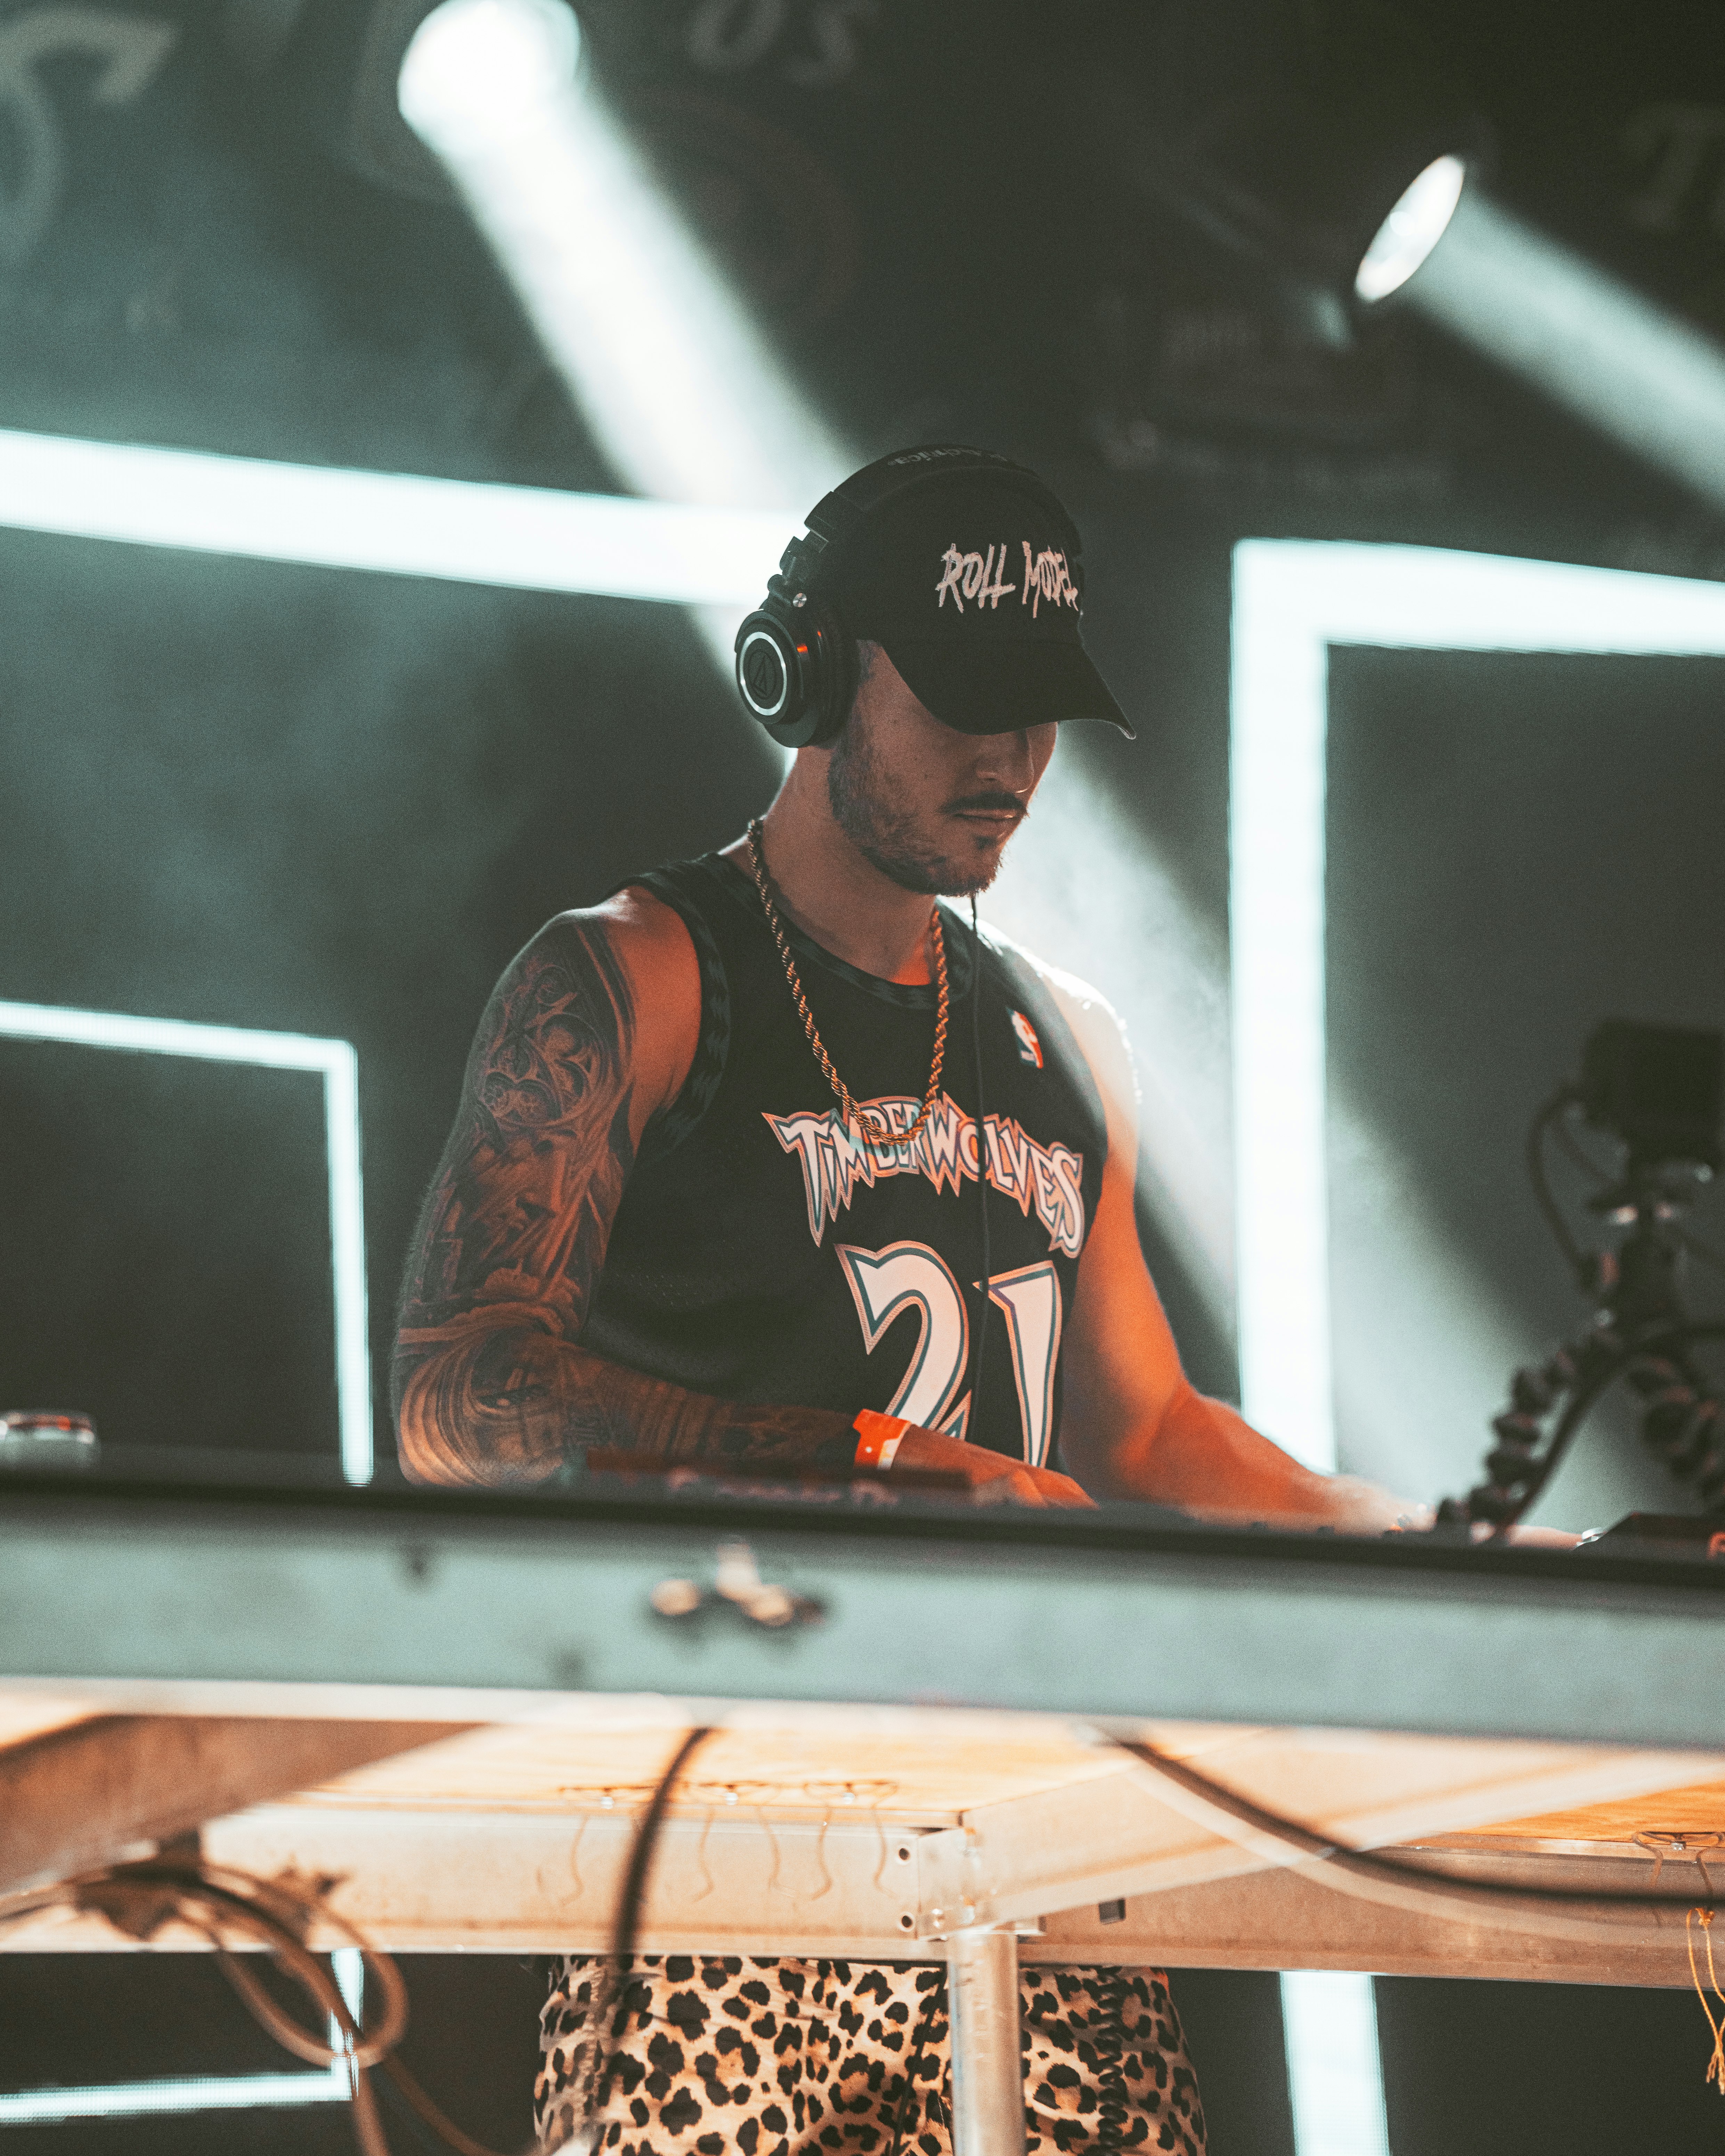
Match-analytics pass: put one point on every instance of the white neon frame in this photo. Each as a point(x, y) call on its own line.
point(526, 538)
point(338, 1065)
point(1292, 600)
point(212, 2092)
point(1335, 2082)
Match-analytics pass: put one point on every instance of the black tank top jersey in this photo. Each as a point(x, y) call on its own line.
point(762, 1252)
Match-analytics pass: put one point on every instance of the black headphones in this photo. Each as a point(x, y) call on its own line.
point(795, 663)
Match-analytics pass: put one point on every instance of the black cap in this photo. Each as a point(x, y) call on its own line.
point(971, 584)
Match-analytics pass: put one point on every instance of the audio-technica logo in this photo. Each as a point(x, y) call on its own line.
point(932, 456)
point(761, 674)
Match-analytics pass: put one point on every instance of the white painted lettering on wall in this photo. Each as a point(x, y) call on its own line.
point(129, 49)
point(816, 46)
point(1682, 149)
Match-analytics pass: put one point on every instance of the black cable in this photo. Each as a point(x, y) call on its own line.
point(138, 1898)
point(402, 2111)
point(216, 1901)
point(925, 2021)
point(981, 1169)
point(634, 1884)
point(1439, 1887)
point(1586, 1396)
point(615, 1986)
point(1594, 1367)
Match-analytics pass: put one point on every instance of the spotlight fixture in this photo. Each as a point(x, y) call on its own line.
point(1332, 182)
point(482, 63)
point(1411, 230)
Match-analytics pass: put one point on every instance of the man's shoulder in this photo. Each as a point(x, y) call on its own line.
point(1084, 1007)
point(639, 950)
point(640, 932)
point(1093, 1021)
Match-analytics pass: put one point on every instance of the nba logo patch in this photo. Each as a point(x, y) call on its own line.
point(1030, 1047)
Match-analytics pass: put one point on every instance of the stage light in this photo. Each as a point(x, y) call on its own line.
point(475, 66)
point(1411, 230)
point(339, 1067)
point(682, 392)
point(1292, 599)
point(1328, 190)
point(1628, 367)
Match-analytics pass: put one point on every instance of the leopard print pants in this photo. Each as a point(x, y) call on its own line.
point(799, 2058)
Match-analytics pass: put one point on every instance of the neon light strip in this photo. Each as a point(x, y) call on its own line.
point(526, 537)
point(1335, 2087)
point(142, 2099)
point(1292, 600)
point(281, 1051)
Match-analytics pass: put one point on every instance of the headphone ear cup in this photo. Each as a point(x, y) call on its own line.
point(795, 679)
point(770, 673)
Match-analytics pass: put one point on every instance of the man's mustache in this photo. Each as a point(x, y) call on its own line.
point(994, 803)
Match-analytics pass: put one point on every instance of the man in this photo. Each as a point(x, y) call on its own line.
point(770, 1160)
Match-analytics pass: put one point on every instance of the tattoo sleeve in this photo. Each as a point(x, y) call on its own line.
point(490, 1382)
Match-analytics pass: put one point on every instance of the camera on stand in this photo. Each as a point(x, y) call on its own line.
point(1657, 1090)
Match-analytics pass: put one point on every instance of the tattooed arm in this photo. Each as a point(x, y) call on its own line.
point(591, 1030)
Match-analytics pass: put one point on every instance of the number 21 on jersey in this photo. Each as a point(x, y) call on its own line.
point(909, 1276)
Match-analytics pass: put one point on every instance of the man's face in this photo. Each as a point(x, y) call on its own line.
point(928, 806)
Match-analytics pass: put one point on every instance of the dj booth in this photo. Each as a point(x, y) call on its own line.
point(938, 1733)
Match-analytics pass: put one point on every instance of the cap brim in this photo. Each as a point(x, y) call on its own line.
point(1000, 684)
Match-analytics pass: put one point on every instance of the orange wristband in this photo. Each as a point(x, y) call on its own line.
point(878, 1437)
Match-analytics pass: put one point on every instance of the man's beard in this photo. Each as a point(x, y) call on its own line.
point(885, 837)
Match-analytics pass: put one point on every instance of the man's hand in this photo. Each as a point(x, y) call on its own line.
point(994, 1479)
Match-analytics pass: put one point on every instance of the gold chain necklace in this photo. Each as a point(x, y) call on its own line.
point(877, 1132)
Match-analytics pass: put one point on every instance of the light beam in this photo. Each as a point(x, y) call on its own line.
point(684, 395)
point(682, 390)
point(1628, 367)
